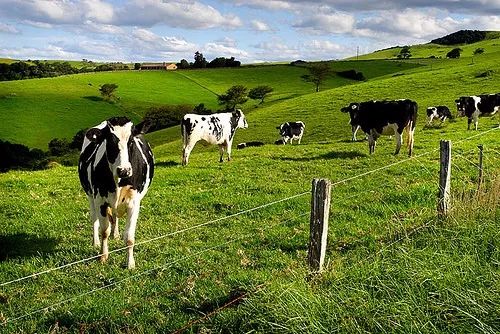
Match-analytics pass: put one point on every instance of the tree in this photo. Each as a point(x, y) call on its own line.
point(108, 91)
point(478, 51)
point(234, 96)
point(404, 53)
point(318, 73)
point(183, 64)
point(455, 53)
point(137, 66)
point(199, 60)
point(259, 93)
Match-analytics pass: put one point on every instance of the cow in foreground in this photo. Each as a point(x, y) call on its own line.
point(439, 112)
point(378, 118)
point(116, 167)
point(291, 130)
point(216, 129)
point(475, 106)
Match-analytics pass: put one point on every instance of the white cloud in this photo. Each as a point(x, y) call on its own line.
point(213, 50)
point(326, 23)
point(37, 24)
point(9, 29)
point(49, 52)
point(183, 14)
point(259, 25)
point(147, 41)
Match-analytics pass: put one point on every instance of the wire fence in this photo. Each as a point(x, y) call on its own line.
point(465, 167)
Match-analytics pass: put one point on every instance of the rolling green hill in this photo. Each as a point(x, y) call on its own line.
point(490, 45)
point(32, 112)
point(240, 229)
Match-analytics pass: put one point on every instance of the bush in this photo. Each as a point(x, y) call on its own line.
point(455, 53)
point(17, 156)
point(352, 74)
point(166, 116)
point(461, 37)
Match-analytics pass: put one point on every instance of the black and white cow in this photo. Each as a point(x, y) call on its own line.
point(378, 118)
point(439, 112)
point(216, 129)
point(116, 167)
point(291, 130)
point(475, 106)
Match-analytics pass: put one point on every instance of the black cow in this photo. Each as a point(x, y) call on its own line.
point(116, 168)
point(439, 112)
point(475, 106)
point(378, 118)
point(291, 131)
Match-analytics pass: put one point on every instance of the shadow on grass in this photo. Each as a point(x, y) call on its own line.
point(234, 297)
point(329, 155)
point(169, 163)
point(94, 98)
point(25, 245)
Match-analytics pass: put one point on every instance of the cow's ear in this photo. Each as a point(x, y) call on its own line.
point(94, 135)
point(141, 128)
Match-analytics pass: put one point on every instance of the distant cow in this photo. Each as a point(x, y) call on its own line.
point(249, 144)
point(439, 112)
point(378, 118)
point(216, 129)
point(291, 130)
point(116, 168)
point(475, 106)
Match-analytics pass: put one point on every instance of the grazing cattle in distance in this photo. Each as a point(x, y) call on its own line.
point(249, 144)
point(475, 106)
point(116, 167)
point(378, 118)
point(216, 129)
point(291, 130)
point(439, 112)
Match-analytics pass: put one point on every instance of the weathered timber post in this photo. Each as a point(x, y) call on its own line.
point(320, 210)
point(480, 181)
point(444, 179)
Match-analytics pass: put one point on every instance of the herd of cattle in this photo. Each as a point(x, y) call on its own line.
point(116, 164)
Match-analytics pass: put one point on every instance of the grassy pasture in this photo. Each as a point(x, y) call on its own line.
point(442, 278)
point(32, 112)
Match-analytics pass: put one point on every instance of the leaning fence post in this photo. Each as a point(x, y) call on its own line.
point(480, 181)
point(320, 210)
point(444, 178)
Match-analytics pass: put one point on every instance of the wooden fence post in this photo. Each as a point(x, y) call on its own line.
point(444, 178)
point(320, 210)
point(480, 181)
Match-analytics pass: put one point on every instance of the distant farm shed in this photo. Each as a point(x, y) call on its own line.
point(159, 66)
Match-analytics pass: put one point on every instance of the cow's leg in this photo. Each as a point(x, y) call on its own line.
point(186, 151)
point(411, 134)
point(104, 231)
point(95, 222)
point(371, 143)
point(469, 121)
point(300, 138)
point(114, 226)
point(129, 234)
point(228, 149)
point(355, 129)
point(221, 152)
point(398, 142)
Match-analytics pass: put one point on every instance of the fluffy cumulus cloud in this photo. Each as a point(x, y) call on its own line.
point(259, 25)
point(183, 14)
point(322, 23)
point(9, 29)
point(213, 50)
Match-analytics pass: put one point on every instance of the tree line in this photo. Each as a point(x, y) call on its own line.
point(201, 62)
point(42, 69)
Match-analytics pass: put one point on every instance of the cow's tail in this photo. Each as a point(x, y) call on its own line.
point(410, 128)
point(184, 131)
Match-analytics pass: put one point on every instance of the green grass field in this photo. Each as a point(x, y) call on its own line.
point(32, 112)
point(390, 267)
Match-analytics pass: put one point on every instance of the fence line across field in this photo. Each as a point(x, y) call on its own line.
point(415, 157)
point(169, 264)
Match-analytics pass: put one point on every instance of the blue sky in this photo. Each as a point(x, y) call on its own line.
point(251, 31)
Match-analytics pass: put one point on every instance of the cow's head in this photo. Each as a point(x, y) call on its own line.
point(462, 103)
point(431, 111)
point(242, 121)
point(117, 135)
point(353, 110)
